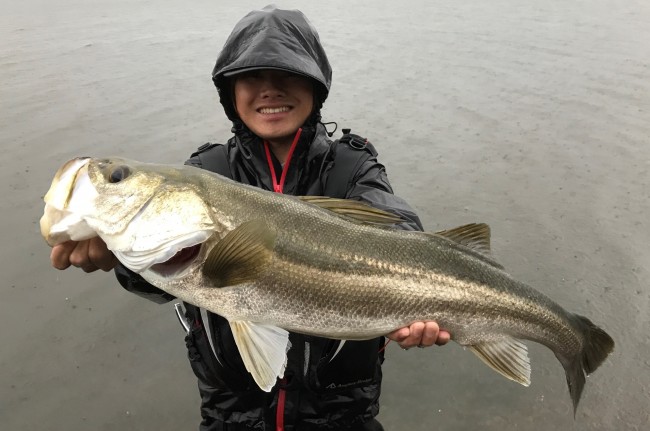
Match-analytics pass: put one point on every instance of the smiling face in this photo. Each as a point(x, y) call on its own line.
point(273, 103)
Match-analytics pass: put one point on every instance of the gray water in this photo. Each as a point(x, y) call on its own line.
point(531, 116)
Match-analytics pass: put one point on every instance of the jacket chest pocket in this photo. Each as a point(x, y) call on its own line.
point(352, 365)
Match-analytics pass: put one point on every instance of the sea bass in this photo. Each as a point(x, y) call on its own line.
point(335, 268)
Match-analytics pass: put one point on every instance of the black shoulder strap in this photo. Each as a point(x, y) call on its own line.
point(214, 157)
point(350, 152)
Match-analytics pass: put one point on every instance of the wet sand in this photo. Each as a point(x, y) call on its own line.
point(534, 118)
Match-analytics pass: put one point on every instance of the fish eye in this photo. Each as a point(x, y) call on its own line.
point(119, 173)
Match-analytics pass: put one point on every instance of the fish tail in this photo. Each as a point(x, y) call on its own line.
point(597, 346)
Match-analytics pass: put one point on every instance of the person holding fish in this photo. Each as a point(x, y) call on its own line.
point(273, 76)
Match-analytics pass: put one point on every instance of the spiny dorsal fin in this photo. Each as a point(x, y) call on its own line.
point(508, 357)
point(241, 256)
point(263, 348)
point(354, 210)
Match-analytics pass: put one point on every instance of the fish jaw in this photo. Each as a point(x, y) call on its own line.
point(171, 260)
point(71, 196)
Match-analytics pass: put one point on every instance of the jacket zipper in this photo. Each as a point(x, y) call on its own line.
point(278, 187)
point(279, 413)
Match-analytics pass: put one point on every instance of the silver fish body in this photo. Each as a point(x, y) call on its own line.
point(270, 263)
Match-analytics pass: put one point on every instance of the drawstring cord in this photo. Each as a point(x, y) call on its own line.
point(330, 134)
point(278, 186)
point(384, 347)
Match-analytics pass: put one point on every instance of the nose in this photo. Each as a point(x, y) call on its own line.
point(273, 84)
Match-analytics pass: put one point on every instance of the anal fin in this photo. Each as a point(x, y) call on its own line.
point(508, 357)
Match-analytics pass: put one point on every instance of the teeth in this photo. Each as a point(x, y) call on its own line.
point(274, 110)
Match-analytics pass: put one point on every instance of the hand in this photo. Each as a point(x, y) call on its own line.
point(421, 334)
point(89, 255)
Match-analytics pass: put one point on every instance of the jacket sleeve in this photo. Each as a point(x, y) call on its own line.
point(371, 185)
point(134, 283)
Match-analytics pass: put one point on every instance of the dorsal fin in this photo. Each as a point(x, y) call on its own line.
point(354, 210)
point(474, 236)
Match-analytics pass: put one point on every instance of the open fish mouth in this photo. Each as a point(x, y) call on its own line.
point(182, 260)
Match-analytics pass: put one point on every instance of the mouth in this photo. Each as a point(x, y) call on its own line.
point(179, 262)
point(274, 110)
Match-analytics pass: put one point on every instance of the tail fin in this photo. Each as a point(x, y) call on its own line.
point(598, 345)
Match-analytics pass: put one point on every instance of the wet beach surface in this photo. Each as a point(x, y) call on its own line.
point(533, 118)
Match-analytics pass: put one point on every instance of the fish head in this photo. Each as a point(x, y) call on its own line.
point(152, 217)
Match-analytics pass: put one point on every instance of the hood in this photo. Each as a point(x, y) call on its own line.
point(272, 38)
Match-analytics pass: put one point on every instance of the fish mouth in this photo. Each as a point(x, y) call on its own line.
point(178, 263)
point(63, 216)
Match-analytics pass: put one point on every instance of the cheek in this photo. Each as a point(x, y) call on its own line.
point(307, 98)
point(236, 96)
point(240, 95)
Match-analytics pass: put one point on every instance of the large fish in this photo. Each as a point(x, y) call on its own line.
point(334, 268)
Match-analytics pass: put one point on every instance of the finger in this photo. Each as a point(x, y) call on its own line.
point(399, 335)
point(443, 338)
point(80, 259)
point(415, 335)
point(430, 334)
point(100, 256)
point(60, 254)
point(79, 256)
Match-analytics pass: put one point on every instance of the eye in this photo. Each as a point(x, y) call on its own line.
point(119, 173)
point(251, 75)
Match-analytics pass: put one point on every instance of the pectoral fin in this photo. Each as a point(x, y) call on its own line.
point(263, 349)
point(241, 256)
point(508, 357)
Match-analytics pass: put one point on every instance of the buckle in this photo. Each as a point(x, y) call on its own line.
point(357, 143)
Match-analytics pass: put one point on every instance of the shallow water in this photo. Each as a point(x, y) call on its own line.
point(531, 117)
